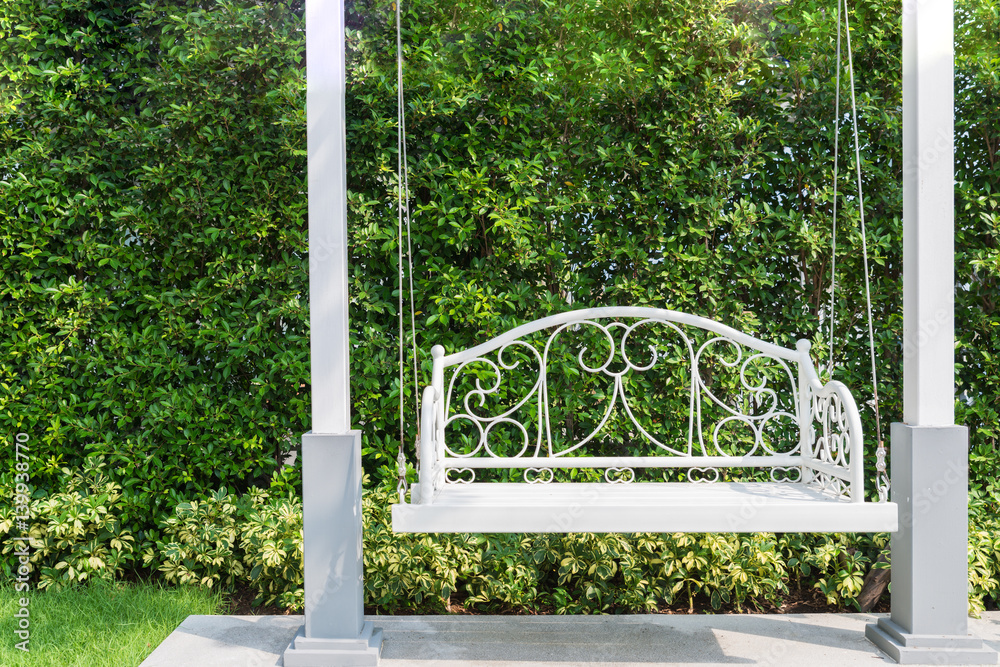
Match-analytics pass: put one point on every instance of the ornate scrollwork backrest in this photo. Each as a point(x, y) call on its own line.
point(741, 394)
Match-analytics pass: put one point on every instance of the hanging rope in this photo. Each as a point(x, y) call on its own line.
point(836, 164)
point(403, 214)
point(881, 477)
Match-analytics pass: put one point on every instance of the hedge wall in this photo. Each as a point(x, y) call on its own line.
point(154, 241)
point(676, 154)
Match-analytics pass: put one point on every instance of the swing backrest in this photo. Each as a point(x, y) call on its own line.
point(622, 394)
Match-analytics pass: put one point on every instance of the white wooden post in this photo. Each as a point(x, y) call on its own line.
point(930, 463)
point(335, 632)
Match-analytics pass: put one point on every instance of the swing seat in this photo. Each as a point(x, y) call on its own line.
point(629, 420)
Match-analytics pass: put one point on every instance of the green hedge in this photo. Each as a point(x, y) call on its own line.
point(153, 210)
point(153, 242)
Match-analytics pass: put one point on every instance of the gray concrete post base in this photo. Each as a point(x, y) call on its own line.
point(335, 631)
point(910, 649)
point(930, 485)
point(311, 652)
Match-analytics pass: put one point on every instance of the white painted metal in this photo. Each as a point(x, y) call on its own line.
point(629, 461)
point(826, 458)
point(327, 161)
point(928, 213)
point(617, 326)
point(929, 623)
point(335, 631)
point(364, 651)
point(621, 312)
point(331, 477)
point(641, 507)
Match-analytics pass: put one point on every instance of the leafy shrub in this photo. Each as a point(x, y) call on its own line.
point(984, 565)
point(271, 539)
point(220, 540)
point(411, 571)
point(840, 568)
point(199, 543)
point(75, 534)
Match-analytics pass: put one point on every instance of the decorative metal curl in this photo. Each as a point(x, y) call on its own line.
point(401, 484)
point(460, 471)
point(484, 424)
point(881, 477)
point(619, 475)
point(786, 474)
point(538, 475)
point(710, 475)
point(836, 442)
point(831, 483)
point(757, 393)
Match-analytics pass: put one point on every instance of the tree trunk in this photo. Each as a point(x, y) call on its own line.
point(875, 584)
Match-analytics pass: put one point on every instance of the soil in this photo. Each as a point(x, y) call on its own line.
point(240, 603)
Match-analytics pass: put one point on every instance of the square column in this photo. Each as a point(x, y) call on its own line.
point(929, 622)
point(335, 632)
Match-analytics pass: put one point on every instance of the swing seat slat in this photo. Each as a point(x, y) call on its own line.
point(655, 507)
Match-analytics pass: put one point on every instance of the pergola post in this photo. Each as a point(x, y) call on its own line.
point(930, 460)
point(335, 631)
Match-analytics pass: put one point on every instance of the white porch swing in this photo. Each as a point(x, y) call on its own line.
point(774, 420)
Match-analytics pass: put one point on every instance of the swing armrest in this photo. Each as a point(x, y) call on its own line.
point(428, 445)
point(836, 450)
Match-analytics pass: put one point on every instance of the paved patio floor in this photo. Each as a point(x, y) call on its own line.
point(523, 641)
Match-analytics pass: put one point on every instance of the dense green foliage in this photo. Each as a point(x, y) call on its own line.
point(153, 242)
point(977, 234)
point(79, 535)
point(152, 234)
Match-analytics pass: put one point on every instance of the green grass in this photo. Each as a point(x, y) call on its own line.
point(102, 624)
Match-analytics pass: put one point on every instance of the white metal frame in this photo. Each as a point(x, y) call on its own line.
point(835, 453)
point(821, 470)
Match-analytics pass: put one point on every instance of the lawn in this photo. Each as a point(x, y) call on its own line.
point(102, 624)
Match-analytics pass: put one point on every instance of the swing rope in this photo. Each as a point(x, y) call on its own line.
point(836, 164)
point(881, 477)
point(403, 215)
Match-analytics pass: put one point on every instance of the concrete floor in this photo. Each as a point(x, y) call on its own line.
point(518, 641)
